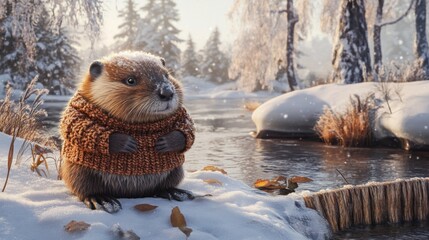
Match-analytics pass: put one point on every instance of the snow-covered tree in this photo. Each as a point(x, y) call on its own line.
point(190, 64)
point(421, 43)
point(351, 56)
point(13, 54)
point(144, 26)
point(158, 34)
point(215, 64)
point(263, 51)
point(127, 35)
point(25, 13)
point(379, 15)
point(54, 59)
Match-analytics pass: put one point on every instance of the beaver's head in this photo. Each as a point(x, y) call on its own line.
point(133, 86)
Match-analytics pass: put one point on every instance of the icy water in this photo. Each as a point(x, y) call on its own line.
point(223, 139)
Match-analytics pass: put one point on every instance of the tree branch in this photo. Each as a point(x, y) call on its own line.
point(399, 18)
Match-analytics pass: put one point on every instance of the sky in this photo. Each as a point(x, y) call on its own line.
point(197, 17)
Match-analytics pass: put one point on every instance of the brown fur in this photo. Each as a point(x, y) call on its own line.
point(134, 104)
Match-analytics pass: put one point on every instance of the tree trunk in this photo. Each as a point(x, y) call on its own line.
point(377, 37)
point(421, 46)
point(351, 60)
point(292, 19)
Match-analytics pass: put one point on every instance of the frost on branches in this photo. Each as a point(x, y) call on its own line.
point(351, 57)
point(50, 55)
point(263, 54)
point(421, 44)
point(128, 28)
point(190, 61)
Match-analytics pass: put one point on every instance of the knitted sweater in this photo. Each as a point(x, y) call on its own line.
point(86, 128)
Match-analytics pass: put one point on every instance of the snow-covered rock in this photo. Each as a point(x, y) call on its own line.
point(294, 114)
point(34, 208)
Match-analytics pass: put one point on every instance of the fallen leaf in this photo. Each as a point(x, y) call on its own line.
point(300, 179)
point(262, 183)
point(213, 181)
point(145, 207)
point(187, 231)
point(279, 179)
point(74, 226)
point(176, 218)
point(214, 169)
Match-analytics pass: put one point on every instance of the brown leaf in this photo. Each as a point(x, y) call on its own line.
point(214, 169)
point(300, 179)
point(187, 231)
point(74, 226)
point(262, 183)
point(145, 207)
point(279, 179)
point(176, 218)
point(213, 181)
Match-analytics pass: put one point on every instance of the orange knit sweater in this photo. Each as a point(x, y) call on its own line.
point(86, 128)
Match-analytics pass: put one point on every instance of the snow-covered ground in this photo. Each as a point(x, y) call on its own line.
point(297, 112)
point(38, 208)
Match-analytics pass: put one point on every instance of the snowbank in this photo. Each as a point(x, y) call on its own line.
point(33, 207)
point(295, 113)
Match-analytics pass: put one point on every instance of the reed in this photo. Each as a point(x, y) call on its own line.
point(373, 203)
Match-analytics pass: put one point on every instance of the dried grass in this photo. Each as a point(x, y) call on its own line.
point(20, 119)
point(352, 128)
point(251, 106)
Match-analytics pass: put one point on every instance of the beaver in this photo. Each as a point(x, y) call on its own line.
point(125, 132)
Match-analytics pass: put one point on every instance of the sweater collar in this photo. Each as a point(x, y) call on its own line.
point(81, 104)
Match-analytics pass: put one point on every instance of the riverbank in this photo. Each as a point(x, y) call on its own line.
point(402, 120)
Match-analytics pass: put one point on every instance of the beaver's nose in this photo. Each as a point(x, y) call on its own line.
point(166, 93)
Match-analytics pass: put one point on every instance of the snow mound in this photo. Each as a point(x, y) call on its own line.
point(295, 113)
point(33, 207)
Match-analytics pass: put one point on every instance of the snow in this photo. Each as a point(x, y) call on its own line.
point(34, 207)
point(409, 118)
point(201, 88)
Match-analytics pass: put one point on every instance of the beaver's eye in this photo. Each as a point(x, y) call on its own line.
point(131, 81)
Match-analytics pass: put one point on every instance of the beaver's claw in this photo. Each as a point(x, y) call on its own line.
point(176, 194)
point(108, 204)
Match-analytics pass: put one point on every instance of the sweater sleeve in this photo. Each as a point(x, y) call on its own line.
point(78, 130)
point(186, 126)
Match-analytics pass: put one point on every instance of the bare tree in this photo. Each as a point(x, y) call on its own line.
point(268, 30)
point(351, 57)
point(421, 44)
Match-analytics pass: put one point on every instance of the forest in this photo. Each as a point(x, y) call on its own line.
point(270, 50)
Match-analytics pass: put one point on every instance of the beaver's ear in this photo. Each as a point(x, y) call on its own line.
point(162, 61)
point(95, 69)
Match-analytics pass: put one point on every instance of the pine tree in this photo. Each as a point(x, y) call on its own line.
point(56, 59)
point(189, 60)
point(128, 29)
point(160, 32)
point(215, 65)
point(13, 60)
point(145, 26)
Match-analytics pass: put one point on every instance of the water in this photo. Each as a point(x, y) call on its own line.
point(223, 139)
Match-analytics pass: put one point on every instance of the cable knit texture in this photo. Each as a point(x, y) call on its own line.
point(86, 128)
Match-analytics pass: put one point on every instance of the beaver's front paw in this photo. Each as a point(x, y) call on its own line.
point(172, 142)
point(122, 143)
point(108, 204)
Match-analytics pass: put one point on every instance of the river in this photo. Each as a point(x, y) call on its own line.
point(223, 139)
